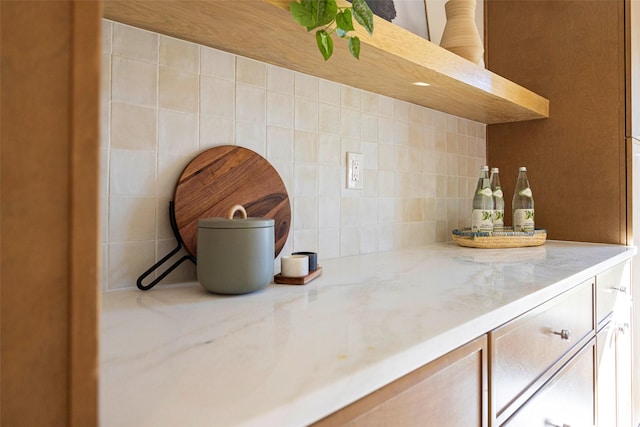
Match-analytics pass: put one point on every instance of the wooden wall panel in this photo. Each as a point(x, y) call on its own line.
point(84, 226)
point(48, 193)
point(634, 50)
point(571, 52)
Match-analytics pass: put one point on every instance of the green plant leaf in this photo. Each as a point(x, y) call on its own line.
point(363, 15)
point(325, 43)
point(354, 47)
point(326, 11)
point(344, 21)
point(304, 13)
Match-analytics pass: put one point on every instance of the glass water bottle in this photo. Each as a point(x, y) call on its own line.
point(498, 200)
point(482, 215)
point(523, 214)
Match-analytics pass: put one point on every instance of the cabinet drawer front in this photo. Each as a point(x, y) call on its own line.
point(450, 391)
point(613, 289)
point(566, 399)
point(524, 350)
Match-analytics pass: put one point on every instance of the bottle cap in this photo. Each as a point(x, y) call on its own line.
point(484, 168)
point(495, 170)
point(522, 169)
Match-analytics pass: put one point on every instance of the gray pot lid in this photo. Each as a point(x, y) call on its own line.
point(251, 222)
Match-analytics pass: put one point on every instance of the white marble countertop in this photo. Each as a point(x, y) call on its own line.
point(290, 355)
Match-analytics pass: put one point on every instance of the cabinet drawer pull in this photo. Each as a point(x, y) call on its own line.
point(565, 334)
point(548, 423)
point(622, 289)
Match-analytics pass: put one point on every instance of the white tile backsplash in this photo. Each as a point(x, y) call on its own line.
point(179, 54)
point(134, 81)
point(133, 127)
point(167, 100)
point(215, 63)
point(178, 90)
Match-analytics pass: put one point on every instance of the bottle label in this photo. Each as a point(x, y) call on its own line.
point(486, 191)
point(498, 193)
point(498, 220)
point(523, 220)
point(526, 192)
point(482, 220)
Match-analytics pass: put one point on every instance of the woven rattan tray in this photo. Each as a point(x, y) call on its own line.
point(499, 239)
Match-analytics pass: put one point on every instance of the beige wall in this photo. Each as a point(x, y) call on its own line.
point(164, 101)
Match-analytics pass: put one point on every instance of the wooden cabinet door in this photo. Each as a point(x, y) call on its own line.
point(567, 399)
point(451, 391)
point(613, 368)
point(525, 351)
point(606, 390)
point(623, 367)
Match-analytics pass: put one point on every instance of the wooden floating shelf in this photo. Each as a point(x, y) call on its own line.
point(390, 61)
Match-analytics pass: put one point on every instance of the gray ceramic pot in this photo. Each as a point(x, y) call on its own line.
point(235, 256)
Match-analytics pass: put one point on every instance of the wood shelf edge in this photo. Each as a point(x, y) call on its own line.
point(390, 61)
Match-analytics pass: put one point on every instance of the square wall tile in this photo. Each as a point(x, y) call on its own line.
point(369, 127)
point(217, 97)
point(368, 239)
point(305, 180)
point(349, 241)
point(127, 261)
point(329, 92)
point(178, 90)
point(135, 43)
point(349, 123)
point(350, 98)
point(328, 244)
point(252, 135)
point(305, 114)
point(329, 118)
point(134, 81)
point(329, 149)
point(251, 72)
point(305, 212)
point(368, 210)
point(329, 180)
point(279, 144)
point(306, 86)
point(385, 130)
point(216, 63)
point(305, 240)
point(280, 79)
point(133, 127)
point(215, 131)
point(107, 36)
point(369, 102)
point(251, 104)
point(329, 212)
point(279, 109)
point(132, 218)
point(132, 173)
point(178, 132)
point(306, 147)
point(179, 54)
point(170, 166)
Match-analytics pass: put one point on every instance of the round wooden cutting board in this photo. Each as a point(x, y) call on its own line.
point(222, 177)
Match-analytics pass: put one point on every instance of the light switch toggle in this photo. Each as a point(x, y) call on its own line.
point(355, 170)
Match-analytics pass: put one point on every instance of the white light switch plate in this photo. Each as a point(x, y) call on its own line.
point(355, 171)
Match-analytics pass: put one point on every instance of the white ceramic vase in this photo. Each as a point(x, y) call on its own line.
point(460, 32)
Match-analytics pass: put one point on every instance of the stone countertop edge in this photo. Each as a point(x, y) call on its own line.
point(291, 355)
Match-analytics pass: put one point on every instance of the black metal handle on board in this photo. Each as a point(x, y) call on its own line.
point(174, 227)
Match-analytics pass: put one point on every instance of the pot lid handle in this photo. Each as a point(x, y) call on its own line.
point(235, 209)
